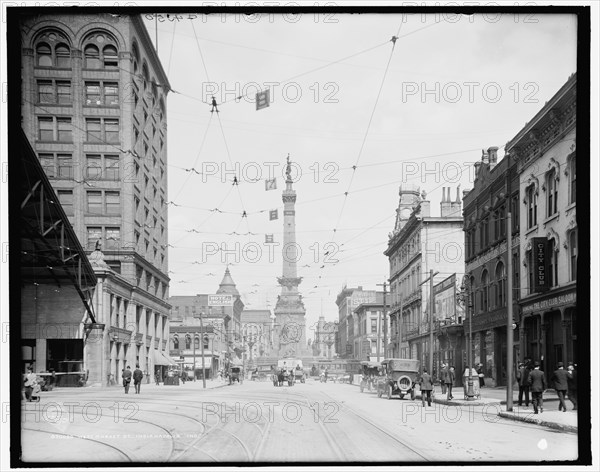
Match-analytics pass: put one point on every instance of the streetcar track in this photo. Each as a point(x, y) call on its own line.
point(379, 428)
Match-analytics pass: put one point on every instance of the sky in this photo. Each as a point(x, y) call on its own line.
point(358, 114)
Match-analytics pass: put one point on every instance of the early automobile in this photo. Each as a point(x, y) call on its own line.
point(400, 377)
point(236, 373)
point(370, 375)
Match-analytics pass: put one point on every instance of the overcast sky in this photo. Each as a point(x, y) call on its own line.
point(455, 85)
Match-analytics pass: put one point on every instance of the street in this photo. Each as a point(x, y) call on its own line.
point(257, 422)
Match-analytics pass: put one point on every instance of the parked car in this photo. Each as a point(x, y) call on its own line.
point(400, 377)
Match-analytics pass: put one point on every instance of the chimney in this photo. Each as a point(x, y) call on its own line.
point(425, 207)
point(477, 166)
point(446, 205)
point(484, 157)
point(457, 204)
point(493, 156)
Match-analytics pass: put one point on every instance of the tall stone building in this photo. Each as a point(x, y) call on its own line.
point(348, 329)
point(93, 108)
point(420, 243)
point(290, 322)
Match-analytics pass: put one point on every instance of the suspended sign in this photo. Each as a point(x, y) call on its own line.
point(263, 99)
point(540, 265)
point(271, 184)
point(268, 238)
point(273, 215)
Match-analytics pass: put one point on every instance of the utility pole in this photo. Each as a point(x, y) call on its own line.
point(384, 311)
point(431, 313)
point(509, 297)
point(509, 318)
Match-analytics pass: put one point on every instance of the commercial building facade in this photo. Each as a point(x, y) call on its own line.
point(93, 108)
point(545, 152)
point(495, 192)
point(420, 243)
point(221, 330)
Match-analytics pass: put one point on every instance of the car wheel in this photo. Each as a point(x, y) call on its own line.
point(389, 392)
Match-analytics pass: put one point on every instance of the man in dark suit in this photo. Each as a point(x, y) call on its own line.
point(426, 387)
point(138, 375)
point(523, 379)
point(127, 378)
point(560, 381)
point(537, 382)
point(450, 376)
point(572, 384)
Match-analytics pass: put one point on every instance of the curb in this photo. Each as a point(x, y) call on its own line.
point(547, 424)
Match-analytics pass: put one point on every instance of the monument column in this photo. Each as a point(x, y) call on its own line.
point(289, 310)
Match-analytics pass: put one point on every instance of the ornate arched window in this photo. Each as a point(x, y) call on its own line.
point(485, 282)
point(500, 295)
point(573, 254)
point(188, 342)
point(100, 51)
point(92, 57)
point(52, 50)
point(175, 342)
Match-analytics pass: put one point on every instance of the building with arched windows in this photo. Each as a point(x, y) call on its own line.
point(545, 153)
point(418, 244)
point(495, 192)
point(93, 108)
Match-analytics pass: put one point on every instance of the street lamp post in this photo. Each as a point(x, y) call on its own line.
point(464, 296)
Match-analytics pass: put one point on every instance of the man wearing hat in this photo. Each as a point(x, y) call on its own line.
point(537, 383)
point(560, 381)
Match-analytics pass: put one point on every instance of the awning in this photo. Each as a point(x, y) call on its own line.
point(161, 359)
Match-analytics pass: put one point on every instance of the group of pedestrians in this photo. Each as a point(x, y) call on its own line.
point(137, 375)
point(532, 379)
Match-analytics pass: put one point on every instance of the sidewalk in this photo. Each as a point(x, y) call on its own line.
point(550, 417)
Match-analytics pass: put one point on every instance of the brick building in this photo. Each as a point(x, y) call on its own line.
point(495, 192)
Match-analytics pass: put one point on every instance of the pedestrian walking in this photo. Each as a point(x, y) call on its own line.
point(157, 377)
point(572, 384)
point(450, 377)
point(560, 381)
point(537, 383)
point(481, 375)
point(138, 375)
point(523, 380)
point(126, 378)
point(444, 377)
point(30, 381)
point(426, 387)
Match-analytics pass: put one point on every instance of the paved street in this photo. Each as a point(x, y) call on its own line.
point(258, 422)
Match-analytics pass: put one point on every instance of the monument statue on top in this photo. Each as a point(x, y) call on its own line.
point(290, 324)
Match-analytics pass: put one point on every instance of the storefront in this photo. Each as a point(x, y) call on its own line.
point(548, 327)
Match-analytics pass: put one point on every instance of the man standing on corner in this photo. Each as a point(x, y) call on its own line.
point(538, 385)
point(560, 382)
point(127, 378)
point(450, 377)
point(426, 387)
point(138, 375)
